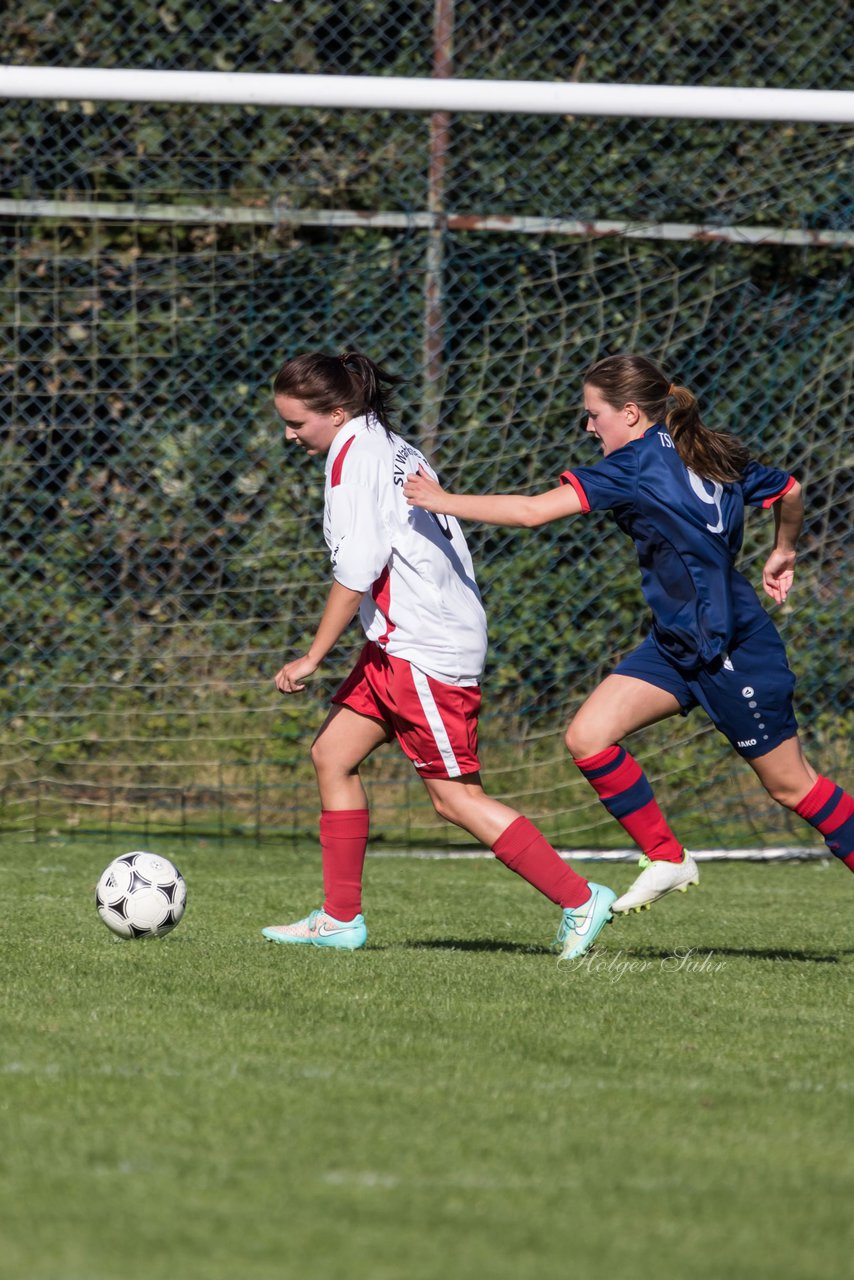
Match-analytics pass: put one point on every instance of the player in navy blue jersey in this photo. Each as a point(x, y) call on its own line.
point(679, 491)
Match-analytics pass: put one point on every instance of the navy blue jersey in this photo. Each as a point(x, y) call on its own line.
point(687, 532)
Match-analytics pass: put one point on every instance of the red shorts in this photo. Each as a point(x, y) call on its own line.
point(435, 723)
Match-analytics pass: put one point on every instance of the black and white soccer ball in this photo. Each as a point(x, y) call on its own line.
point(141, 895)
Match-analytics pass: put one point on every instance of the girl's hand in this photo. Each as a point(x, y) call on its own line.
point(422, 491)
point(778, 575)
point(292, 675)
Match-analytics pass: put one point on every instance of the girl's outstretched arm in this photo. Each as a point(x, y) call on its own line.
point(342, 605)
point(779, 571)
point(492, 508)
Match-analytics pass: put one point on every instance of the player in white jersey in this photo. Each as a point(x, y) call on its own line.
point(419, 598)
point(409, 576)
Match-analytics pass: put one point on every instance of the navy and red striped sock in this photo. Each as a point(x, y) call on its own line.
point(623, 787)
point(831, 811)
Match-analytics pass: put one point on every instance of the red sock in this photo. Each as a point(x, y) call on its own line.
point(343, 841)
point(525, 850)
point(623, 787)
point(831, 811)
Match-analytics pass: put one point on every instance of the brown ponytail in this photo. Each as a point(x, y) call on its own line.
point(351, 381)
point(714, 455)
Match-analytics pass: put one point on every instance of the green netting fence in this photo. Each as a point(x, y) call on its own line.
point(162, 552)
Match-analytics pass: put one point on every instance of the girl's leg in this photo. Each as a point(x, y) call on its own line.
point(514, 840)
point(790, 779)
point(343, 742)
point(619, 706)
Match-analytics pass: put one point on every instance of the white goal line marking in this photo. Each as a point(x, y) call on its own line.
point(414, 93)
point(788, 853)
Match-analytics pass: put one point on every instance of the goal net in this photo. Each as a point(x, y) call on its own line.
point(163, 552)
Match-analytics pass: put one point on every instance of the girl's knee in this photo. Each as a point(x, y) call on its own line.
point(455, 803)
point(785, 795)
point(789, 787)
point(570, 739)
point(443, 809)
point(324, 758)
point(582, 741)
point(786, 774)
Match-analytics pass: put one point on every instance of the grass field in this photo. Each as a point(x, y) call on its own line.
point(448, 1103)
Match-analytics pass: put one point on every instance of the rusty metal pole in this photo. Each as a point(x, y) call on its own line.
point(434, 323)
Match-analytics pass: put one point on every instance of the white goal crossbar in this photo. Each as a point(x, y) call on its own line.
point(403, 93)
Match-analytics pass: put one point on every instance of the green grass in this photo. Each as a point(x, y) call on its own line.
point(448, 1103)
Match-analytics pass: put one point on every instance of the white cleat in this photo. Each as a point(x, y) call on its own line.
point(655, 880)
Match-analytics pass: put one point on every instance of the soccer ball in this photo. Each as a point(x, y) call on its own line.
point(141, 895)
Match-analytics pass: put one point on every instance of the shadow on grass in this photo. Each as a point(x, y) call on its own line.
point(637, 953)
point(743, 953)
point(476, 944)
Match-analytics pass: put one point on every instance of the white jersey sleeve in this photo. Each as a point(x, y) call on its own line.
point(360, 543)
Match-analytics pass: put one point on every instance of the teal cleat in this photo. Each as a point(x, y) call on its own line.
point(581, 926)
point(321, 930)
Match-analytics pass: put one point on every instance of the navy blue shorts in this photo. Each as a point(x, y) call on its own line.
point(747, 695)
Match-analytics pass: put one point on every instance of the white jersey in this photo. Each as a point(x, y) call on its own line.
point(421, 600)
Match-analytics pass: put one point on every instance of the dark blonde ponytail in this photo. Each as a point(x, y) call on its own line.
point(714, 455)
point(351, 381)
